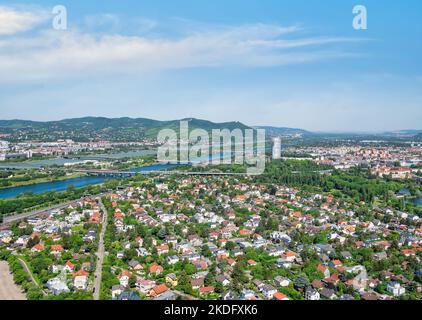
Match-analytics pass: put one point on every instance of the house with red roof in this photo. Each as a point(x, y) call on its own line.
point(124, 277)
point(56, 249)
point(37, 248)
point(157, 290)
point(280, 296)
point(156, 269)
point(206, 290)
point(69, 266)
point(162, 249)
point(252, 262)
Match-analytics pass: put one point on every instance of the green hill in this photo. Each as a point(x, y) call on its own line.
point(100, 128)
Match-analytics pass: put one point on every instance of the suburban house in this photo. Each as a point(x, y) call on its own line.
point(171, 279)
point(69, 267)
point(124, 278)
point(117, 290)
point(312, 294)
point(157, 290)
point(57, 286)
point(156, 269)
point(80, 282)
point(396, 289)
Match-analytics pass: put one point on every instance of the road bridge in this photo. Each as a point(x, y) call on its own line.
point(117, 173)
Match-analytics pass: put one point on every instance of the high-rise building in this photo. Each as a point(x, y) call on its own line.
point(277, 148)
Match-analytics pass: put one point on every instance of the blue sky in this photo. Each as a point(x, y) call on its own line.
point(269, 62)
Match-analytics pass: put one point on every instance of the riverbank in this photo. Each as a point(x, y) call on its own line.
point(44, 180)
point(8, 289)
point(54, 186)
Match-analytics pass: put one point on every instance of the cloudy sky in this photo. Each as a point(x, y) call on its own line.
point(263, 62)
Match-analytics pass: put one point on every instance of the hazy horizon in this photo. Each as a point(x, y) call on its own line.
point(228, 121)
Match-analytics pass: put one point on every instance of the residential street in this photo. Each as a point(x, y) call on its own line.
point(100, 254)
point(28, 271)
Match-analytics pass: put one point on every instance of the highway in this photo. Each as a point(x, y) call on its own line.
point(22, 216)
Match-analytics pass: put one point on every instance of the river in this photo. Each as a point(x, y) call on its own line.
point(417, 201)
point(59, 186)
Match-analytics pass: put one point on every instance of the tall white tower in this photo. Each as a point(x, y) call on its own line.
point(276, 148)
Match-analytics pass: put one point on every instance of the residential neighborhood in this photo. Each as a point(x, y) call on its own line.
point(59, 249)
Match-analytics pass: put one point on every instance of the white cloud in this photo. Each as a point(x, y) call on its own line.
point(102, 20)
point(52, 54)
point(13, 21)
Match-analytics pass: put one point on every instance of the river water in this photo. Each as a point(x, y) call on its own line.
point(417, 201)
point(406, 192)
point(59, 186)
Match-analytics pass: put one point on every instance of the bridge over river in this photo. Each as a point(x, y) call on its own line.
point(116, 173)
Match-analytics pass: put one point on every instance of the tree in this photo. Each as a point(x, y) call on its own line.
point(239, 274)
point(205, 251)
point(189, 268)
point(32, 242)
point(209, 279)
point(34, 293)
point(184, 283)
point(230, 245)
point(301, 281)
point(40, 263)
point(162, 233)
point(132, 281)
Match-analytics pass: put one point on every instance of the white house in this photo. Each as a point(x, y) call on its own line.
point(124, 278)
point(396, 289)
point(268, 291)
point(172, 259)
point(312, 294)
point(57, 286)
point(281, 282)
point(80, 282)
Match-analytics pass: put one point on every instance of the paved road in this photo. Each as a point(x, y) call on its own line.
point(100, 254)
point(22, 216)
point(26, 268)
point(8, 289)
